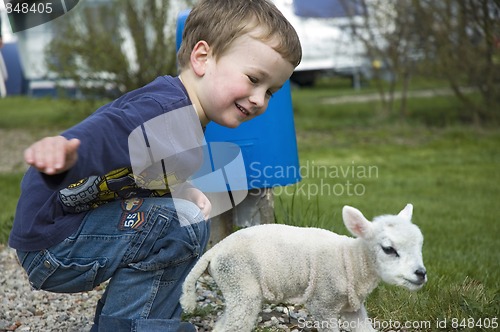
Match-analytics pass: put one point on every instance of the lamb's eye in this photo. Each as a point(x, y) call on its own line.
point(390, 251)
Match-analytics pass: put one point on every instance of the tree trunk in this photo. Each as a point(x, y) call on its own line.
point(257, 208)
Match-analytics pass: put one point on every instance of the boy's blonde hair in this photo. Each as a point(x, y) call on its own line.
point(220, 22)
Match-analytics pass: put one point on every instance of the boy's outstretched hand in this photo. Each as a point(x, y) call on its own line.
point(53, 155)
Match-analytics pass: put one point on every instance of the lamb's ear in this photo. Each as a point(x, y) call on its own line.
point(356, 222)
point(406, 212)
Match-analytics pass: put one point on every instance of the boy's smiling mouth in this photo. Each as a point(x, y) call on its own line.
point(243, 110)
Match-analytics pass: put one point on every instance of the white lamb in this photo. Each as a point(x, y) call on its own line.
point(329, 273)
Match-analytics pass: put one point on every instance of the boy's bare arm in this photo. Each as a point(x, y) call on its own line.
point(53, 155)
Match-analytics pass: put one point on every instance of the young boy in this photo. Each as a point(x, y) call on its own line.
point(86, 216)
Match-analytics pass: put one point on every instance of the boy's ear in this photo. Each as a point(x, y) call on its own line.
point(356, 222)
point(199, 57)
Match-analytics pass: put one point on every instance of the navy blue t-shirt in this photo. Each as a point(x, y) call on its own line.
point(51, 208)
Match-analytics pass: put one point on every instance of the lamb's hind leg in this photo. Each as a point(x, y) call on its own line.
point(242, 307)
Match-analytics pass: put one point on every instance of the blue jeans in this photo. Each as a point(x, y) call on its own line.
point(144, 246)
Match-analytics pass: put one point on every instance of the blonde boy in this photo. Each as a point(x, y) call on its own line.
point(83, 219)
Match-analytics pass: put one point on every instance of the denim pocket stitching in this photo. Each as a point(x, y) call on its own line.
point(41, 268)
point(21, 257)
point(47, 265)
point(135, 251)
point(193, 245)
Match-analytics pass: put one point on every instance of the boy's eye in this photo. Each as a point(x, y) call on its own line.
point(253, 79)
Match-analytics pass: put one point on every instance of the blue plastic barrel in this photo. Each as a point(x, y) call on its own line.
point(268, 142)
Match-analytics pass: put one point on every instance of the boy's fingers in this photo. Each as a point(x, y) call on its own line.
point(49, 155)
point(64, 154)
point(73, 144)
point(205, 207)
point(36, 155)
point(28, 155)
point(57, 158)
point(52, 155)
point(68, 159)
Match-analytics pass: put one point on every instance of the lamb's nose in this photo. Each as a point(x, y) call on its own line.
point(421, 273)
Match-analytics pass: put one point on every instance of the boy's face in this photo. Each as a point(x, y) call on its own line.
point(238, 85)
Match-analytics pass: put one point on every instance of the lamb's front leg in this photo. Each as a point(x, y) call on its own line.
point(358, 320)
point(324, 319)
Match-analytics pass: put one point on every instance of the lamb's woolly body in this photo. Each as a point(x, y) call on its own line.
point(254, 254)
point(327, 272)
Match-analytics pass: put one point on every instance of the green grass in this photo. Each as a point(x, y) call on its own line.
point(10, 184)
point(449, 170)
point(47, 113)
point(452, 179)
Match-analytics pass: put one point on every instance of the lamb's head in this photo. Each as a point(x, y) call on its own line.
point(394, 245)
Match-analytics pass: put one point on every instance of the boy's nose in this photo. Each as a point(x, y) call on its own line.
point(258, 99)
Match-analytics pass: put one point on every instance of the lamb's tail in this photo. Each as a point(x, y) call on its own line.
point(188, 297)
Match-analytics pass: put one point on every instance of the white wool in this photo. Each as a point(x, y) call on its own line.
point(329, 273)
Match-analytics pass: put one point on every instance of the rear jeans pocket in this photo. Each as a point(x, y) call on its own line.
point(62, 275)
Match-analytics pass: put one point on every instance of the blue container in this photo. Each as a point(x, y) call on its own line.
point(268, 142)
point(16, 82)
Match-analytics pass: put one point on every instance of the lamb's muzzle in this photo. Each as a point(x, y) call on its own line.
point(421, 274)
point(329, 273)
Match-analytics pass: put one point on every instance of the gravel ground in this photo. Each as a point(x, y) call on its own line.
point(12, 145)
point(23, 309)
